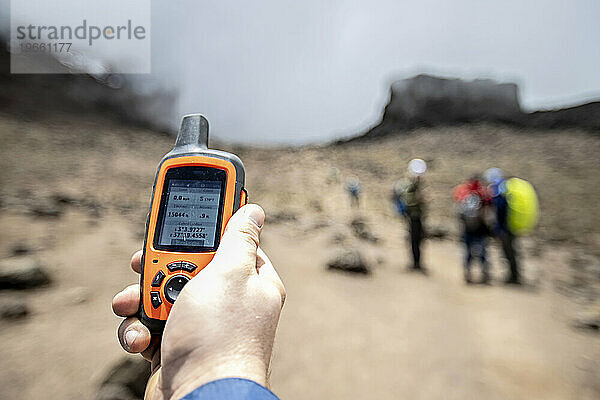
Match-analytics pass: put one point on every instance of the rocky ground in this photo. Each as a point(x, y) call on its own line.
point(73, 198)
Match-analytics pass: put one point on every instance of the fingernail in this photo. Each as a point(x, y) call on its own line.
point(257, 215)
point(130, 337)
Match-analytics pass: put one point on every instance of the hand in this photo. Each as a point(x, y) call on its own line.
point(224, 321)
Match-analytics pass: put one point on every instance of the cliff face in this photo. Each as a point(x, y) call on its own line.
point(426, 100)
point(429, 100)
point(118, 96)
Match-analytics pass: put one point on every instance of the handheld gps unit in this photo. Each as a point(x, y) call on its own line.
point(196, 191)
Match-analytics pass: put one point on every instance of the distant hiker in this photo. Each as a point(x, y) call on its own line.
point(354, 189)
point(410, 203)
point(517, 212)
point(398, 191)
point(495, 179)
point(473, 200)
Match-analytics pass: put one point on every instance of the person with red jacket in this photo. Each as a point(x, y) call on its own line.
point(473, 201)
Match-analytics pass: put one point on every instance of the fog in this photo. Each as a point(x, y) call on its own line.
point(295, 72)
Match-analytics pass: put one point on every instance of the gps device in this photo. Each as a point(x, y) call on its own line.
point(196, 191)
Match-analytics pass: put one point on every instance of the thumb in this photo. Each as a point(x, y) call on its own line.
point(237, 249)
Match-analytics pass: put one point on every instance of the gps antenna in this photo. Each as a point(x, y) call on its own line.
point(193, 132)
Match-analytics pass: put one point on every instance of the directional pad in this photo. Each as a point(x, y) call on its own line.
point(174, 286)
point(181, 266)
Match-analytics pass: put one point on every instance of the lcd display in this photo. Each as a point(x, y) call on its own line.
point(190, 211)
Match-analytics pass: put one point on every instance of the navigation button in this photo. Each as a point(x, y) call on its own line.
point(174, 286)
point(181, 266)
point(174, 266)
point(188, 266)
point(158, 278)
point(155, 299)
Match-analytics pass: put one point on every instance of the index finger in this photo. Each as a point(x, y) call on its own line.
point(136, 261)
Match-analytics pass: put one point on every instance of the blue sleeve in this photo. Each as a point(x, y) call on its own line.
point(501, 212)
point(231, 389)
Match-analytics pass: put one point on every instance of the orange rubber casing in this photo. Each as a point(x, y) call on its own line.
point(155, 260)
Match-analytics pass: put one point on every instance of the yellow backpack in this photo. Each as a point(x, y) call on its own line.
point(523, 206)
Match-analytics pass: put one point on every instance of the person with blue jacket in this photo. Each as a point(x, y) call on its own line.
point(218, 340)
point(497, 185)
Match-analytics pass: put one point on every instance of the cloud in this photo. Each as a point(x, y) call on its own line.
point(289, 71)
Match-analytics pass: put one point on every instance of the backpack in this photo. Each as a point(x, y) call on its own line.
point(471, 213)
point(523, 206)
point(400, 205)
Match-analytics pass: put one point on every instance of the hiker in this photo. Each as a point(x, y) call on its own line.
point(410, 203)
point(398, 190)
point(497, 187)
point(473, 201)
point(354, 189)
point(218, 340)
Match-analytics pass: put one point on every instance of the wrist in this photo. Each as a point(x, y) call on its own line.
point(190, 377)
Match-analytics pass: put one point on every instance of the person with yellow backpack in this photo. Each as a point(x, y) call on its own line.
point(517, 213)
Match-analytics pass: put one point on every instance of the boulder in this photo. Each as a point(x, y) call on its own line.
point(22, 273)
point(126, 380)
point(349, 261)
point(13, 309)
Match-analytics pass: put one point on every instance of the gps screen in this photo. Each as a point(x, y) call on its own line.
point(190, 209)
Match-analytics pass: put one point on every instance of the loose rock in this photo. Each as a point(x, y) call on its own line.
point(280, 216)
point(45, 208)
point(437, 233)
point(586, 263)
point(349, 261)
point(22, 273)
point(316, 206)
point(319, 225)
point(20, 249)
point(588, 319)
point(361, 230)
point(92, 206)
point(338, 238)
point(115, 392)
point(126, 380)
point(77, 295)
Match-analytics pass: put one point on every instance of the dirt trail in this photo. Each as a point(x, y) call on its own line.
point(397, 334)
point(392, 334)
point(389, 335)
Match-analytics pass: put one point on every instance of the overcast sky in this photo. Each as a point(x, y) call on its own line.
point(299, 71)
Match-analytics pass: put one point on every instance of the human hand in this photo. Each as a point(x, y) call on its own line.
point(224, 321)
